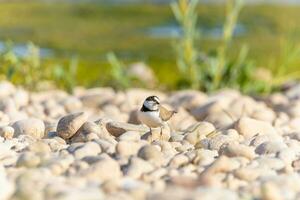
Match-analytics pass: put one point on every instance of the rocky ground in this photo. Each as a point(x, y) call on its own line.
point(90, 145)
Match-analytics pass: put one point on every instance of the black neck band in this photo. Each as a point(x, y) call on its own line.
point(145, 109)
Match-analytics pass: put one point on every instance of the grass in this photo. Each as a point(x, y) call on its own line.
point(90, 31)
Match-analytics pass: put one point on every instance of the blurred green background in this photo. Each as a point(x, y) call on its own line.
point(142, 31)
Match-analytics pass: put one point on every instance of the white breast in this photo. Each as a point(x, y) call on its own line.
point(151, 119)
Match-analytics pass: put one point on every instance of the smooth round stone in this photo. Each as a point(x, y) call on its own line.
point(7, 187)
point(28, 159)
point(236, 150)
point(137, 167)
point(118, 128)
point(88, 149)
point(32, 126)
point(72, 104)
point(270, 147)
point(198, 131)
point(178, 161)
point(70, 124)
point(130, 136)
point(150, 152)
point(7, 132)
point(21, 98)
point(127, 148)
point(249, 127)
point(103, 170)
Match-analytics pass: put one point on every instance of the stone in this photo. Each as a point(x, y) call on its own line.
point(72, 104)
point(87, 132)
point(127, 148)
point(178, 161)
point(270, 192)
point(108, 146)
point(28, 159)
point(270, 147)
point(271, 163)
point(234, 150)
point(249, 127)
point(117, 128)
point(39, 147)
point(198, 131)
point(137, 167)
point(21, 98)
point(247, 174)
point(88, 149)
point(96, 97)
point(130, 136)
point(70, 124)
point(143, 73)
point(103, 170)
point(32, 126)
point(267, 115)
point(158, 134)
point(7, 132)
point(181, 120)
point(188, 99)
point(150, 153)
point(7, 187)
point(218, 141)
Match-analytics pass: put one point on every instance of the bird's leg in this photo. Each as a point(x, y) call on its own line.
point(151, 135)
point(160, 133)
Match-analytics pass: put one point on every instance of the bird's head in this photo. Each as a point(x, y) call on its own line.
point(152, 103)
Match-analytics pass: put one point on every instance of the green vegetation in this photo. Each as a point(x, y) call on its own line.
point(119, 76)
point(211, 72)
point(90, 31)
point(28, 70)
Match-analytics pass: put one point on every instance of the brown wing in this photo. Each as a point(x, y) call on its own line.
point(165, 114)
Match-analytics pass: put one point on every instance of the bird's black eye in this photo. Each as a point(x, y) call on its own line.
point(153, 98)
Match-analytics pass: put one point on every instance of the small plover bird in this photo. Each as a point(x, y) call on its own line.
point(153, 114)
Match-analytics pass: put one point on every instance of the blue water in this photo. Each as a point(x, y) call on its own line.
point(174, 31)
point(22, 50)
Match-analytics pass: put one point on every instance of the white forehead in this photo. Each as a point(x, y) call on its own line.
point(156, 98)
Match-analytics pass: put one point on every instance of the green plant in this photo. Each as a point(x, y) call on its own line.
point(66, 78)
point(211, 72)
point(24, 70)
point(289, 57)
point(186, 15)
point(29, 71)
point(119, 76)
point(9, 62)
point(233, 8)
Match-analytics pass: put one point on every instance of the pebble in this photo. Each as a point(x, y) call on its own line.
point(118, 128)
point(127, 148)
point(249, 127)
point(270, 147)
point(68, 125)
point(88, 149)
point(7, 187)
point(235, 150)
point(32, 126)
point(198, 131)
point(89, 145)
point(130, 136)
point(103, 170)
point(137, 167)
point(7, 132)
point(150, 153)
point(28, 160)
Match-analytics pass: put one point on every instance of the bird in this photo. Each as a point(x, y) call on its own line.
point(153, 114)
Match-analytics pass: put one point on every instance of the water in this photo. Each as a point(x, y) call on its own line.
point(174, 31)
point(22, 50)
